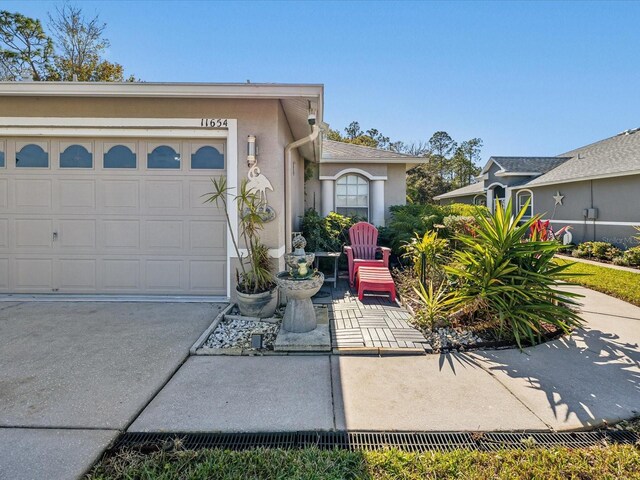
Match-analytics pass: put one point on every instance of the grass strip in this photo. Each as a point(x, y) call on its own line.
point(602, 462)
point(617, 283)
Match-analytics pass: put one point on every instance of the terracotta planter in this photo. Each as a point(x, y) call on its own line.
point(260, 305)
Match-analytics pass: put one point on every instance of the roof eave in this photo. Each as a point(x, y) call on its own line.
point(582, 179)
point(179, 90)
point(400, 161)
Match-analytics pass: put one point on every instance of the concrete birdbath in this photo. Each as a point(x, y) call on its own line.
point(304, 327)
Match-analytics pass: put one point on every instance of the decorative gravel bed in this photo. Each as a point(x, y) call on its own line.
point(235, 332)
point(447, 338)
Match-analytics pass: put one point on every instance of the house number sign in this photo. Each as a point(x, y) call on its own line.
point(214, 122)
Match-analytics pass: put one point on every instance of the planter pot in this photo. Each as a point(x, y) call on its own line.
point(260, 305)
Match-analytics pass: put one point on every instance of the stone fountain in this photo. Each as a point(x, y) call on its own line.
point(304, 327)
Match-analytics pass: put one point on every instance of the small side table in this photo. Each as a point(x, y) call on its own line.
point(335, 256)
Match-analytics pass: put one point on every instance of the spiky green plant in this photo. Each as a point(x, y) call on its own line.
point(255, 274)
point(436, 302)
point(431, 248)
point(502, 275)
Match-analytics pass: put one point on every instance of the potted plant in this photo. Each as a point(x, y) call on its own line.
point(256, 290)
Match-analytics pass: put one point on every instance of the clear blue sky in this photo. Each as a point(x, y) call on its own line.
point(528, 78)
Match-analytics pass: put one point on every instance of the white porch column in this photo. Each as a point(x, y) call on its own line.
point(376, 195)
point(327, 197)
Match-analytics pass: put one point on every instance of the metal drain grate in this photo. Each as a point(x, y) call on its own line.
point(408, 441)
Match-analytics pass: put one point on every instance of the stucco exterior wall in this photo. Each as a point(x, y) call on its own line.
point(617, 200)
point(312, 192)
point(395, 188)
point(465, 199)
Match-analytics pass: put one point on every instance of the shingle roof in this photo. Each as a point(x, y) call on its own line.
point(529, 164)
point(612, 156)
point(340, 151)
point(472, 189)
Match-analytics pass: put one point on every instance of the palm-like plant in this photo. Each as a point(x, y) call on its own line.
point(255, 274)
point(429, 248)
point(502, 276)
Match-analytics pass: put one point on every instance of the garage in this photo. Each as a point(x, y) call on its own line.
point(111, 215)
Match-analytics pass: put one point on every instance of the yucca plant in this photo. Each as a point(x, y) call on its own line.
point(503, 275)
point(255, 274)
point(436, 302)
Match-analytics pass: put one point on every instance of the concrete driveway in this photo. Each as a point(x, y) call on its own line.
point(72, 375)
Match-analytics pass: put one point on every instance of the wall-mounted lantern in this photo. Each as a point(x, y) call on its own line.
point(251, 151)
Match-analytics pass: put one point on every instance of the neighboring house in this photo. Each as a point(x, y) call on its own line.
point(595, 189)
point(102, 184)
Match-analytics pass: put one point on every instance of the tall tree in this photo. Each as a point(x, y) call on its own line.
point(80, 46)
point(441, 146)
point(25, 50)
point(463, 163)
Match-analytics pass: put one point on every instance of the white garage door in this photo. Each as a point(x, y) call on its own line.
point(109, 216)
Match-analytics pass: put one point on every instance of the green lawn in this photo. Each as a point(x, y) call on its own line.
point(612, 462)
point(617, 283)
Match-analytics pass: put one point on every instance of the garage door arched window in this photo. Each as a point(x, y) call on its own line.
point(76, 156)
point(119, 156)
point(208, 158)
point(522, 197)
point(163, 157)
point(352, 196)
point(32, 156)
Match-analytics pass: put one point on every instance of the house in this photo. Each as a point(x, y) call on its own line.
point(595, 189)
point(102, 184)
point(359, 180)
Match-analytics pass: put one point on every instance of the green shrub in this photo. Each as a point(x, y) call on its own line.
point(458, 224)
point(632, 256)
point(600, 250)
point(408, 220)
point(326, 234)
point(502, 277)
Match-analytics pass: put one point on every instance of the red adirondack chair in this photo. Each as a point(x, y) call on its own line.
point(363, 249)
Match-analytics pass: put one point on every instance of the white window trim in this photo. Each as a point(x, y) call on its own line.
point(356, 171)
point(519, 206)
point(335, 195)
point(483, 195)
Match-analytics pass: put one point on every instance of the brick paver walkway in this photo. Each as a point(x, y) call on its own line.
point(373, 323)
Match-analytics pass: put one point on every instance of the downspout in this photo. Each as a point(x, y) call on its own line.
point(287, 181)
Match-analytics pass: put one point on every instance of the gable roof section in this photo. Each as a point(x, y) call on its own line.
point(614, 156)
point(472, 189)
point(525, 165)
point(340, 152)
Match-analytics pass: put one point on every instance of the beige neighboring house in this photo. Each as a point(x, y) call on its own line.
point(595, 189)
point(102, 184)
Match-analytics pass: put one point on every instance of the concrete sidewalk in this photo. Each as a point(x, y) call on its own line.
point(568, 384)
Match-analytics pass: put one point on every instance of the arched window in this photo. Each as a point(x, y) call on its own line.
point(352, 196)
point(119, 156)
point(32, 156)
point(76, 156)
point(163, 157)
point(522, 197)
point(207, 157)
point(480, 199)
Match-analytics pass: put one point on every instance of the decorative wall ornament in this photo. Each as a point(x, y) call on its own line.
point(259, 184)
point(558, 198)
